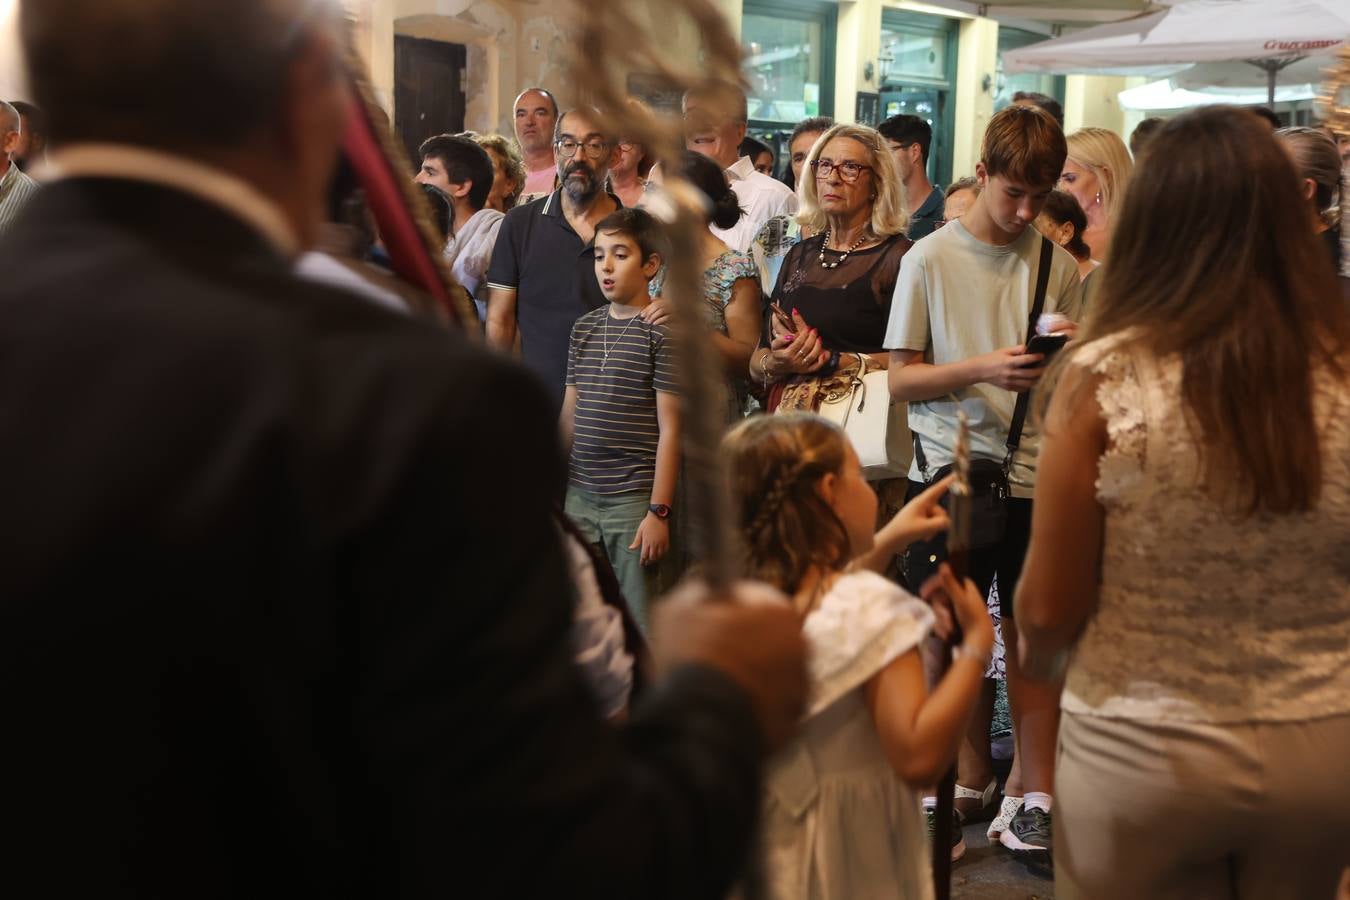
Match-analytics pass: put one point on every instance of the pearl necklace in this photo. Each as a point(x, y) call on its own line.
point(604, 360)
point(834, 265)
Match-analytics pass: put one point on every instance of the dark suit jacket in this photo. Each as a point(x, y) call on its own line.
point(281, 605)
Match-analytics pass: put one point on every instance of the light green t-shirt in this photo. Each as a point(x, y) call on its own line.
point(958, 297)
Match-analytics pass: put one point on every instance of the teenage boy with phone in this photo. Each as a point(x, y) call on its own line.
point(958, 334)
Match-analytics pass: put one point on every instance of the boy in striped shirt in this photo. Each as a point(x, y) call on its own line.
point(621, 416)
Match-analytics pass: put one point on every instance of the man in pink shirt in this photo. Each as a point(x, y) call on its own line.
point(536, 114)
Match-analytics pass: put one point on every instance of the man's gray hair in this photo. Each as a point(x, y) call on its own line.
point(171, 73)
point(10, 120)
point(730, 98)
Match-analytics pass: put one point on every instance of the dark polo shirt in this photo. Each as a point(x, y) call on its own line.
point(541, 258)
point(926, 217)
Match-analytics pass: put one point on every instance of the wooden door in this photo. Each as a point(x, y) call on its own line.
point(428, 90)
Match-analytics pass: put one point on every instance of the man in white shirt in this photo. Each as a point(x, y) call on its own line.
point(715, 122)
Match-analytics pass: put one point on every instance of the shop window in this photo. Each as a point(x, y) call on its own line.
point(918, 60)
point(789, 61)
point(1034, 82)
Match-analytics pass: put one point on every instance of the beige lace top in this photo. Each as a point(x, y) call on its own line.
point(1204, 616)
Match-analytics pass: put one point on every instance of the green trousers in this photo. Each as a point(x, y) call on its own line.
point(610, 521)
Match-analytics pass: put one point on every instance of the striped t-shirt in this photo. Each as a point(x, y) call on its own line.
point(16, 189)
point(615, 431)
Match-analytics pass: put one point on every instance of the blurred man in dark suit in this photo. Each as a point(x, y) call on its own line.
point(267, 626)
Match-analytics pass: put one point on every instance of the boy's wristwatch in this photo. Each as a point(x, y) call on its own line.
point(660, 510)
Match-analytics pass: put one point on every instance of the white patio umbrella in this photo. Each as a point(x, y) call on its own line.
point(1266, 34)
point(1165, 95)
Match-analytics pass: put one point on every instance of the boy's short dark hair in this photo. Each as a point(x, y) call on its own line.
point(753, 147)
point(1025, 144)
point(906, 129)
point(637, 224)
point(1047, 103)
point(463, 160)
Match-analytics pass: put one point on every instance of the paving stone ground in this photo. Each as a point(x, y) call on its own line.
point(990, 872)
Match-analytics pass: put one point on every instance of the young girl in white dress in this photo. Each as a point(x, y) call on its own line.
point(842, 819)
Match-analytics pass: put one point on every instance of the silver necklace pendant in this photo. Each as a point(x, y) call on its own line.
point(604, 360)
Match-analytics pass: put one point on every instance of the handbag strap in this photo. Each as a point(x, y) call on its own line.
point(1019, 418)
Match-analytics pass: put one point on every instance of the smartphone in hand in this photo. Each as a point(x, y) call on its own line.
point(783, 318)
point(1047, 344)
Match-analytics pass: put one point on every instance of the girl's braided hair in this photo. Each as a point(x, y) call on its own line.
point(775, 464)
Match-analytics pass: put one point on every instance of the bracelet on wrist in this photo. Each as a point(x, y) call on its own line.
point(982, 657)
point(766, 375)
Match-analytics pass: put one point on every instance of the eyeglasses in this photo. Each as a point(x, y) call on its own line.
point(626, 145)
point(595, 148)
point(848, 170)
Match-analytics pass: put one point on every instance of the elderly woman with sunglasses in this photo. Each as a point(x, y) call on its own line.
point(833, 295)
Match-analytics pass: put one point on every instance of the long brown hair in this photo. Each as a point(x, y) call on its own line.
point(1214, 261)
point(775, 463)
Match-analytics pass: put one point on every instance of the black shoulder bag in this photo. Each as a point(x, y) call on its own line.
point(989, 478)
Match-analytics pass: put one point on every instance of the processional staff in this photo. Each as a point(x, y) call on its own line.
point(958, 557)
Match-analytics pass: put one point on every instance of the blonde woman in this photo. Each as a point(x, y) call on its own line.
point(833, 295)
point(1318, 165)
point(1096, 174)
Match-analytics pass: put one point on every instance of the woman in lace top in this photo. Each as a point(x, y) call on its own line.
point(1192, 539)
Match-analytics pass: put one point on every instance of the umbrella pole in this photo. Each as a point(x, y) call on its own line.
point(1270, 84)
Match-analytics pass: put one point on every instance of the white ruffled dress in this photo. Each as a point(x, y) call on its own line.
point(838, 823)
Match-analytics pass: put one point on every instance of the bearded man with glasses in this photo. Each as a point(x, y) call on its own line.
point(542, 275)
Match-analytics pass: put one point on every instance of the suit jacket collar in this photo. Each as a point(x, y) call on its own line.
point(215, 186)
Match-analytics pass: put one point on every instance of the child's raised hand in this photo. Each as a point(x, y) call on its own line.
point(652, 539)
point(922, 518)
point(949, 596)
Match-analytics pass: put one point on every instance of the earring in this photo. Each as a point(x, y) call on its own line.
point(1099, 198)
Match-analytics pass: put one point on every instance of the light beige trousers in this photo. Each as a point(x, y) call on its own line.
point(1154, 811)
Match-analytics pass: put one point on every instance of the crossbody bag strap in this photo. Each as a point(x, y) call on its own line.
point(1019, 418)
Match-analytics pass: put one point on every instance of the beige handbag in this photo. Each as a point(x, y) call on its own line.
point(877, 426)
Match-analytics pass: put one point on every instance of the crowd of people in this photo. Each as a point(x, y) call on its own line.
point(307, 591)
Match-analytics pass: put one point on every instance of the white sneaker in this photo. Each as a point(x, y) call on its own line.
point(1011, 806)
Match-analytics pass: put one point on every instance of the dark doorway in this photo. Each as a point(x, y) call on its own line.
point(428, 90)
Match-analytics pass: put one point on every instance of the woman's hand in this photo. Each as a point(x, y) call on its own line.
point(657, 312)
point(798, 354)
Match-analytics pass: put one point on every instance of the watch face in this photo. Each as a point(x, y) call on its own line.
point(661, 510)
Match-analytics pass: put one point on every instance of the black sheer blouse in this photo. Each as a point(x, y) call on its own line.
point(848, 305)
